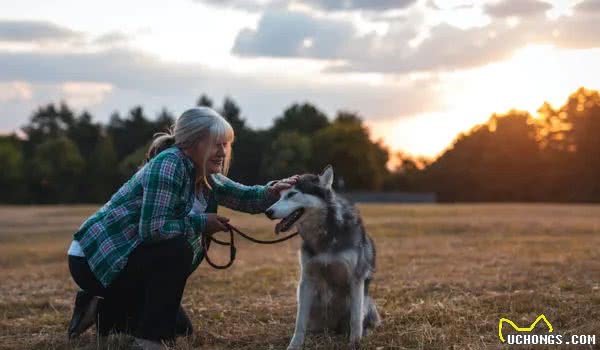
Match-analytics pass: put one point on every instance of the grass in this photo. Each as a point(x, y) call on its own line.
point(446, 275)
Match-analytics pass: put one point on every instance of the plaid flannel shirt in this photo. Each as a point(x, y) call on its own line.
point(154, 204)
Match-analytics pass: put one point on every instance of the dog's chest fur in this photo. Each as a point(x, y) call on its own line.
point(334, 270)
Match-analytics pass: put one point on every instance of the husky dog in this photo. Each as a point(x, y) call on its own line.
point(337, 259)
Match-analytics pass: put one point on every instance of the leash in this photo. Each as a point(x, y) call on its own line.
point(208, 238)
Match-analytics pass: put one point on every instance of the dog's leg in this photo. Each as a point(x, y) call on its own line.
point(356, 312)
point(306, 293)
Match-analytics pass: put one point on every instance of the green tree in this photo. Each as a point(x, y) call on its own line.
point(132, 162)
point(55, 165)
point(164, 121)
point(290, 153)
point(248, 147)
point(47, 122)
point(132, 132)
point(11, 163)
point(101, 178)
point(304, 118)
point(358, 162)
point(84, 133)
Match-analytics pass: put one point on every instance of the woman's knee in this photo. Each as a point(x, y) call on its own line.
point(84, 277)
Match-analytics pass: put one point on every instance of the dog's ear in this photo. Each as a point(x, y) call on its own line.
point(326, 177)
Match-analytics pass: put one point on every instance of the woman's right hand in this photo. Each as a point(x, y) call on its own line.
point(215, 223)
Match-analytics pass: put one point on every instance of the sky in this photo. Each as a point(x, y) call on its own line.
point(418, 71)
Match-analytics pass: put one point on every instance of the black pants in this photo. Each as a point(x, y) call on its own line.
point(144, 298)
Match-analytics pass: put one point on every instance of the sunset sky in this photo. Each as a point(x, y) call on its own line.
point(418, 71)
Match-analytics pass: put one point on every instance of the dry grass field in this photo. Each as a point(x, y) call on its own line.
point(446, 275)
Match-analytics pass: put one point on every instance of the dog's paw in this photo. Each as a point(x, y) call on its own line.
point(354, 344)
point(295, 345)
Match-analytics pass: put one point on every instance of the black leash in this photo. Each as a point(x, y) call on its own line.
point(208, 238)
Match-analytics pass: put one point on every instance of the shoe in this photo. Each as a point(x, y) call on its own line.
point(84, 314)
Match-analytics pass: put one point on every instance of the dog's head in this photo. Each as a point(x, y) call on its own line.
point(310, 193)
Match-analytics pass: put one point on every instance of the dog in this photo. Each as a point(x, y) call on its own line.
point(337, 259)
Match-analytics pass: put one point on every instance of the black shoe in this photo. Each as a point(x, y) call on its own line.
point(183, 325)
point(84, 314)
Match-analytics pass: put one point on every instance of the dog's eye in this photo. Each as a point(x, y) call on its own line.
point(291, 194)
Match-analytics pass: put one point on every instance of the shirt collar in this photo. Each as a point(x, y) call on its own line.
point(189, 163)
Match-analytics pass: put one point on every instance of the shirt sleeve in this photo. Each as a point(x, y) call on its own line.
point(250, 199)
point(162, 186)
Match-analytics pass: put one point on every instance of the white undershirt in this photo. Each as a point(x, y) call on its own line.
point(199, 207)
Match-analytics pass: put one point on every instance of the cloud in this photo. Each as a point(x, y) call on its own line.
point(518, 8)
point(112, 38)
point(295, 34)
point(588, 6)
point(82, 94)
point(290, 34)
point(35, 31)
point(325, 5)
point(15, 91)
point(117, 79)
point(368, 5)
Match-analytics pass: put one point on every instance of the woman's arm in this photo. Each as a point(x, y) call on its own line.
point(163, 184)
point(250, 199)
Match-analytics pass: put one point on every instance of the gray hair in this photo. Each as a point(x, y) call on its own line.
point(193, 126)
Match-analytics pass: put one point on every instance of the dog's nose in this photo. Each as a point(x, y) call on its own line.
point(269, 213)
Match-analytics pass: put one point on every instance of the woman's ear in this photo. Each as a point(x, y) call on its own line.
point(326, 177)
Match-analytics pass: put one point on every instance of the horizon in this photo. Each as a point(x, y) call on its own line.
point(409, 68)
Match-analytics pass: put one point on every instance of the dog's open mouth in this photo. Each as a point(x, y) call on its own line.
point(288, 221)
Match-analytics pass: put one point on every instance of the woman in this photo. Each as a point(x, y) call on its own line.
point(137, 251)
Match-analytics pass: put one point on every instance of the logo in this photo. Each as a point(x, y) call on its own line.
point(523, 329)
point(541, 339)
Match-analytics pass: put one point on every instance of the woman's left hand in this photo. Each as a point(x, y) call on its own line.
point(283, 184)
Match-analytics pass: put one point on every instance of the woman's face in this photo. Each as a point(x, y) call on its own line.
point(216, 157)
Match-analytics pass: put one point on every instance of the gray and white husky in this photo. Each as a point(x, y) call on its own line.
point(337, 259)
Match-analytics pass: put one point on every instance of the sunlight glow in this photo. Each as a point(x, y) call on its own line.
point(533, 75)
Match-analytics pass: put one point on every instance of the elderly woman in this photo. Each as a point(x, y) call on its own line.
point(137, 251)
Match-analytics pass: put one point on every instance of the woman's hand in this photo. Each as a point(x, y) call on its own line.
point(216, 223)
point(283, 184)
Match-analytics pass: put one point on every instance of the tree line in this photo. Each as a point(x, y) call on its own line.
point(553, 156)
point(70, 158)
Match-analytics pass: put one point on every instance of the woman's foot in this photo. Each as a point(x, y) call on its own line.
point(84, 313)
point(145, 344)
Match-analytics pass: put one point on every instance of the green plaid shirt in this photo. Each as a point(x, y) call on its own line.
point(154, 204)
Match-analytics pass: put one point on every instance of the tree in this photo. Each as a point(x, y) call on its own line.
point(47, 122)
point(232, 113)
point(582, 112)
point(132, 132)
point(204, 100)
point(290, 153)
point(84, 133)
point(357, 161)
point(11, 163)
point(55, 165)
point(496, 161)
point(133, 162)
point(164, 121)
point(101, 179)
point(304, 118)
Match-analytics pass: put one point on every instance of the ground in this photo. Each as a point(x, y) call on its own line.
point(446, 274)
